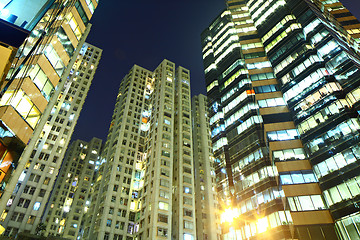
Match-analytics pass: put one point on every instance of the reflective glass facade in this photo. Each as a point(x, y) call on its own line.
point(284, 96)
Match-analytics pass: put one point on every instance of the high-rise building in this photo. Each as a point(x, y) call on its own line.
point(36, 75)
point(145, 186)
point(42, 158)
point(67, 203)
point(283, 85)
point(206, 205)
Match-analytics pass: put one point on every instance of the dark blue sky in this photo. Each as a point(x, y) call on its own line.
point(144, 33)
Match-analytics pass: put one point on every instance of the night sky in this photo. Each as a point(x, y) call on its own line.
point(144, 33)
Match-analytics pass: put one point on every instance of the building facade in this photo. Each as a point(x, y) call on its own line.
point(42, 158)
point(67, 203)
point(32, 75)
point(145, 187)
point(282, 81)
point(206, 204)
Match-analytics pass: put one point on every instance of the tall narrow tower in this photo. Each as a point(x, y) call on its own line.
point(206, 204)
point(145, 186)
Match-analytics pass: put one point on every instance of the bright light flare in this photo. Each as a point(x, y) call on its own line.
point(229, 214)
point(262, 225)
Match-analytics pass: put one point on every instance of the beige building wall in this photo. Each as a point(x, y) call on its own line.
point(145, 185)
point(206, 204)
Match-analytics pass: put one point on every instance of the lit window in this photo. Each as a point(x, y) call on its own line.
point(271, 102)
point(306, 203)
point(36, 206)
point(163, 206)
point(283, 135)
point(188, 236)
point(187, 190)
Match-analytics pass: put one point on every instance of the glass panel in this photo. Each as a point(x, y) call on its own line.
point(344, 191)
point(306, 203)
point(309, 177)
point(335, 195)
point(318, 202)
point(292, 204)
point(297, 178)
point(24, 106)
point(286, 179)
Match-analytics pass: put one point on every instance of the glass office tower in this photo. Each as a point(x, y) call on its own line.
point(283, 84)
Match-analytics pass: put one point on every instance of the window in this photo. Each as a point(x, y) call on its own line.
point(262, 76)
point(277, 27)
point(258, 65)
point(248, 123)
point(164, 194)
point(305, 87)
point(289, 154)
point(343, 191)
point(163, 206)
point(188, 236)
point(162, 218)
point(254, 156)
point(188, 224)
point(187, 190)
point(108, 223)
point(233, 77)
point(73, 25)
point(40, 79)
point(283, 135)
point(164, 183)
point(348, 226)
point(297, 177)
point(306, 203)
point(188, 212)
point(163, 232)
point(54, 59)
point(165, 153)
point(23, 104)
point(258, 176)
point(187, 170)
point(241, 112)
point(271, 102)
point(338, 161)
point(220, 143)
point(37, 206)
point(238, 99)
point(267, 89)
point(81, 12)
point(340, 131)
point(165, 172)
point(187, 179)
point(187, 201)
point(282, 35)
